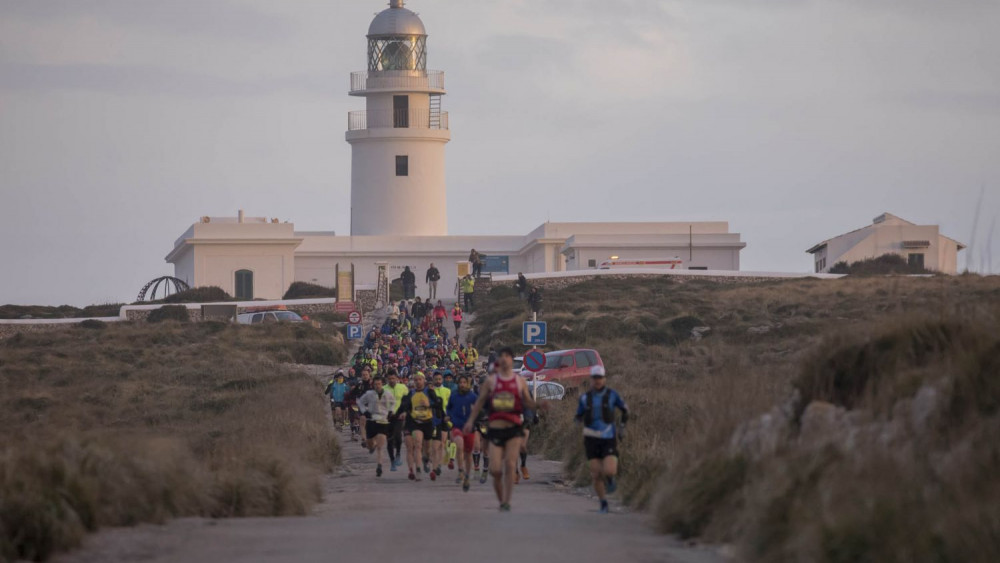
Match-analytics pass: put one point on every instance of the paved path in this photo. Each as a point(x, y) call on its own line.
point(392, 519)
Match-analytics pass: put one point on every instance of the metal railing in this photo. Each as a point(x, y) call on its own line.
point(396, 119)
point(397, 80)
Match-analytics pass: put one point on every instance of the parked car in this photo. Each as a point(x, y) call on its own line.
point(548, 390)
point(569, 367)
point(265, 317)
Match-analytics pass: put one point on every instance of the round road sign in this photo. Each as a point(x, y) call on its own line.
point(354, 317)
point(534, 360)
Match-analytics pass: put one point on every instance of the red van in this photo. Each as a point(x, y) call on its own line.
point(570, 367)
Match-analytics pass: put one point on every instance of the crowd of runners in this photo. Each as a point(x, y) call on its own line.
point(414, 385)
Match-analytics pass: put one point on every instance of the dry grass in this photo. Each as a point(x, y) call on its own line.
point(718, 447)
point(138, 423)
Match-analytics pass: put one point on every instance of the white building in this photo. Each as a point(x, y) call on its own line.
point(921, 245)
point(399, 202)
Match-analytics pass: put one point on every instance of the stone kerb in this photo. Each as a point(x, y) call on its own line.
point(566, 281)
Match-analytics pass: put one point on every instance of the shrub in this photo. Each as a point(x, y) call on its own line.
point(206, 294)
point(93, 324)
point(169, 313)
point(304, 290)
point(879, 266)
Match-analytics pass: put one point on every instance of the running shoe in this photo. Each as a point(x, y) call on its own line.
point(483, 477)
point(505, 507)
point(433, 476)
point(465, 484)
point(378, 470)
point(459, 480)
point(451, 464)
point(611, 485)
point(412, 477)
point(427, 467)
point(438, 470)
point(525, 473)
point(604, 507)
point(371, 450)
point(392, 467)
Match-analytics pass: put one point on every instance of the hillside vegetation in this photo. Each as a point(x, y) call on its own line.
point(829, 421)
point(110, 425)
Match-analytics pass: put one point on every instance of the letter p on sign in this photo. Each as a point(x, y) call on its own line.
point(533, 334)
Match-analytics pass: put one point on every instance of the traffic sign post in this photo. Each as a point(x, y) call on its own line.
point(534, 333)
point(354, 332)
point(534, 361)
point(354, 317)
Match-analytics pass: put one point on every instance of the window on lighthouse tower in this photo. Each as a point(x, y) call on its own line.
point(402, 165)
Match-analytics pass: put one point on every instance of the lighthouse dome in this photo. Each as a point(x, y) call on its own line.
point(396, 21)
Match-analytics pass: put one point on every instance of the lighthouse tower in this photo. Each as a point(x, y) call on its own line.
point(397, 142)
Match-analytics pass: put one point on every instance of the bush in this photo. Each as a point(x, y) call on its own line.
point(303, 290)
point(93, 324)
point(208, 294)
point(169, 313)
point(887, 264)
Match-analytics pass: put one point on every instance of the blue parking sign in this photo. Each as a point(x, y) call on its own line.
point(533, 333)
point(354, 332)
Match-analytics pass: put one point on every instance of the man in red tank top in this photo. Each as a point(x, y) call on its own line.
point(508, 397)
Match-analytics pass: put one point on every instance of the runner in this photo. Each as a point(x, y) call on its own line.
point(396, 433)
point(459, 409)
point(439, 440)
point(530, 419)
point(418, 413)
point(337, 390)
point(600, 436)
point(363, 386)
point(508, 396)
point(379, 403)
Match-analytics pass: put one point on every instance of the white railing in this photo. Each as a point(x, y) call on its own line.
point(397, 80)
point(396, 119)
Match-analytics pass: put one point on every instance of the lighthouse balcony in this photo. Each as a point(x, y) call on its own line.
point(385, 81)
point(397, 119)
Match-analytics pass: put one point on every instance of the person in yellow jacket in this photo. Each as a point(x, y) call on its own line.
point(468, 284)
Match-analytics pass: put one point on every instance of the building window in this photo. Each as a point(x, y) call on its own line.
point(400, 112)
point(820, 265)
point(402, 165)
point(916, 260)
point(591, 263)
point(244, 285)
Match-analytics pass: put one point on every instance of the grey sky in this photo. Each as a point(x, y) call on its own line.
point(123, 121)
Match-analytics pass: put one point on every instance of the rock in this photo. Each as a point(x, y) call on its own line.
point(923, 407)
point(821, 423)
point(699, 332)
point(565, 328)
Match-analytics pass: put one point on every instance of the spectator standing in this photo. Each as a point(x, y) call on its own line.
point(535, 300)
point(432, 278)
point(409, 283)
point(477, 263)
point(522, 286)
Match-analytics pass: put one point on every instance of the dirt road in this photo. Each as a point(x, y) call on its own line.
point(392, 519)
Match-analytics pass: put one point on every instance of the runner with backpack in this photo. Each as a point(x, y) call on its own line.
point(600, 433)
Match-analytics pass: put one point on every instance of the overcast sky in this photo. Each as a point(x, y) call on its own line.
point(123, 121)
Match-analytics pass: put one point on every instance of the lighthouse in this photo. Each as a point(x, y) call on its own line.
point(398, 140)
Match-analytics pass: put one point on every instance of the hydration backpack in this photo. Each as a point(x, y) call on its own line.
point(607, 413)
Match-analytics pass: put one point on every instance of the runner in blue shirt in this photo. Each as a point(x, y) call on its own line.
point(600, 435)
point(337, 390)
point(459, 409)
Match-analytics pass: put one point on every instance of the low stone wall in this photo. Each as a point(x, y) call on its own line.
point(365, 300)
point(195, 314)
point(566, 281)
point(8, 330)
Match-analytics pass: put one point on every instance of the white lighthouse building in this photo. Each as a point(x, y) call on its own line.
point(399, 203)
point(397, 142)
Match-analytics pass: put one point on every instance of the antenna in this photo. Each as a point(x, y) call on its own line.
point(975, 226)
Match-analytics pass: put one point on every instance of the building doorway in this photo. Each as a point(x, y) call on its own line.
point(244, 285)
point(400, 112)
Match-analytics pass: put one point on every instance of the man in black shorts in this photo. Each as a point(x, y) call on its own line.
point(600, 433)
point(417, 413)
